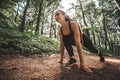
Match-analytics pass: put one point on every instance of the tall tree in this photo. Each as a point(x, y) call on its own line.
point(84, 20)
point(39, 16)
point(22, 25)
point(51, 26)
point(104, 26)
point(18, 7)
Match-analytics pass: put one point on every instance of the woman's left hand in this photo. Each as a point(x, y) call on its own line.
point(86, 68)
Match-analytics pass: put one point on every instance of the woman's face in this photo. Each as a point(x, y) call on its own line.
point(59, 16)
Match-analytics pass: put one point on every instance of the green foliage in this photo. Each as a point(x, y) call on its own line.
point(100, 16)
point(12, 41)
point(4, 21)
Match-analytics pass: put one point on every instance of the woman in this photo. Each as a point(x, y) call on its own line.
point(70, 34)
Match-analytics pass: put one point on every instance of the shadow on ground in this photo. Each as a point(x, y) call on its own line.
point(107, 72)
point(47, 68)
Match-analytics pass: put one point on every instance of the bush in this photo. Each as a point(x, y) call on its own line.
point(12, 41)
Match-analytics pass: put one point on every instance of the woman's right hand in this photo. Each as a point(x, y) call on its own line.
point(85, 67)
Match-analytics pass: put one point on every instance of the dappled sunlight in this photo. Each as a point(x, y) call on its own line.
point(113, 60)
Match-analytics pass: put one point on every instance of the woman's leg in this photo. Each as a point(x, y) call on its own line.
point(89, 45)
point(71, 54)
point(69, 50)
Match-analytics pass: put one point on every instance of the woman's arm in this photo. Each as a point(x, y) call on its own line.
point(78, 39)
point(61, 47)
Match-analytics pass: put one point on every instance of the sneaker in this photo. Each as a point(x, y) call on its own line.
point(70, 62)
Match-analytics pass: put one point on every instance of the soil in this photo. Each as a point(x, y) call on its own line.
point(37, 67)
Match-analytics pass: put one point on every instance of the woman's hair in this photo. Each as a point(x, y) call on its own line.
point(67, 18)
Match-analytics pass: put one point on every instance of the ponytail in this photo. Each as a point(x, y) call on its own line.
point(67, 18)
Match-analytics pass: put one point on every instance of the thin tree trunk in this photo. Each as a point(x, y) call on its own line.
point(52, 26)
point(117, 3)
point(99, 33)
point(42, 28)
point(87, 31)
point(39, 15)
point(117, 26)
point(104, 28)
point(21, 27)
point(119, 22)
point(50, 35)
point(92, 29)
point(17, 12)
point(110, 46)
point(98, 41)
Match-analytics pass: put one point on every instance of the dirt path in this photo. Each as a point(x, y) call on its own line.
point(37, 67)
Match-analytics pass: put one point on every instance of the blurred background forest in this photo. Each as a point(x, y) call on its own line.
point(29, 27)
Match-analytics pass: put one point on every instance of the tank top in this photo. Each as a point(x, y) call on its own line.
point(68, 40)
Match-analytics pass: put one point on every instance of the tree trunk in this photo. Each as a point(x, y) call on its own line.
point(117, 26)
point(119, 22)
point(17, 12)
point(92, 29)
point(54, 28)
point(87, 31)
point(98, 41)
point(117, 3)
point(51, 25)
point(21, 27)
point(39, 15)
point(104, 28)
point(42, 28)
point(50, 34)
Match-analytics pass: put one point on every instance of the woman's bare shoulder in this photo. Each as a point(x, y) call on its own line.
point(74, 24)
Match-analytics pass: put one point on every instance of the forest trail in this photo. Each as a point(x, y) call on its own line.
point(38, 67)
